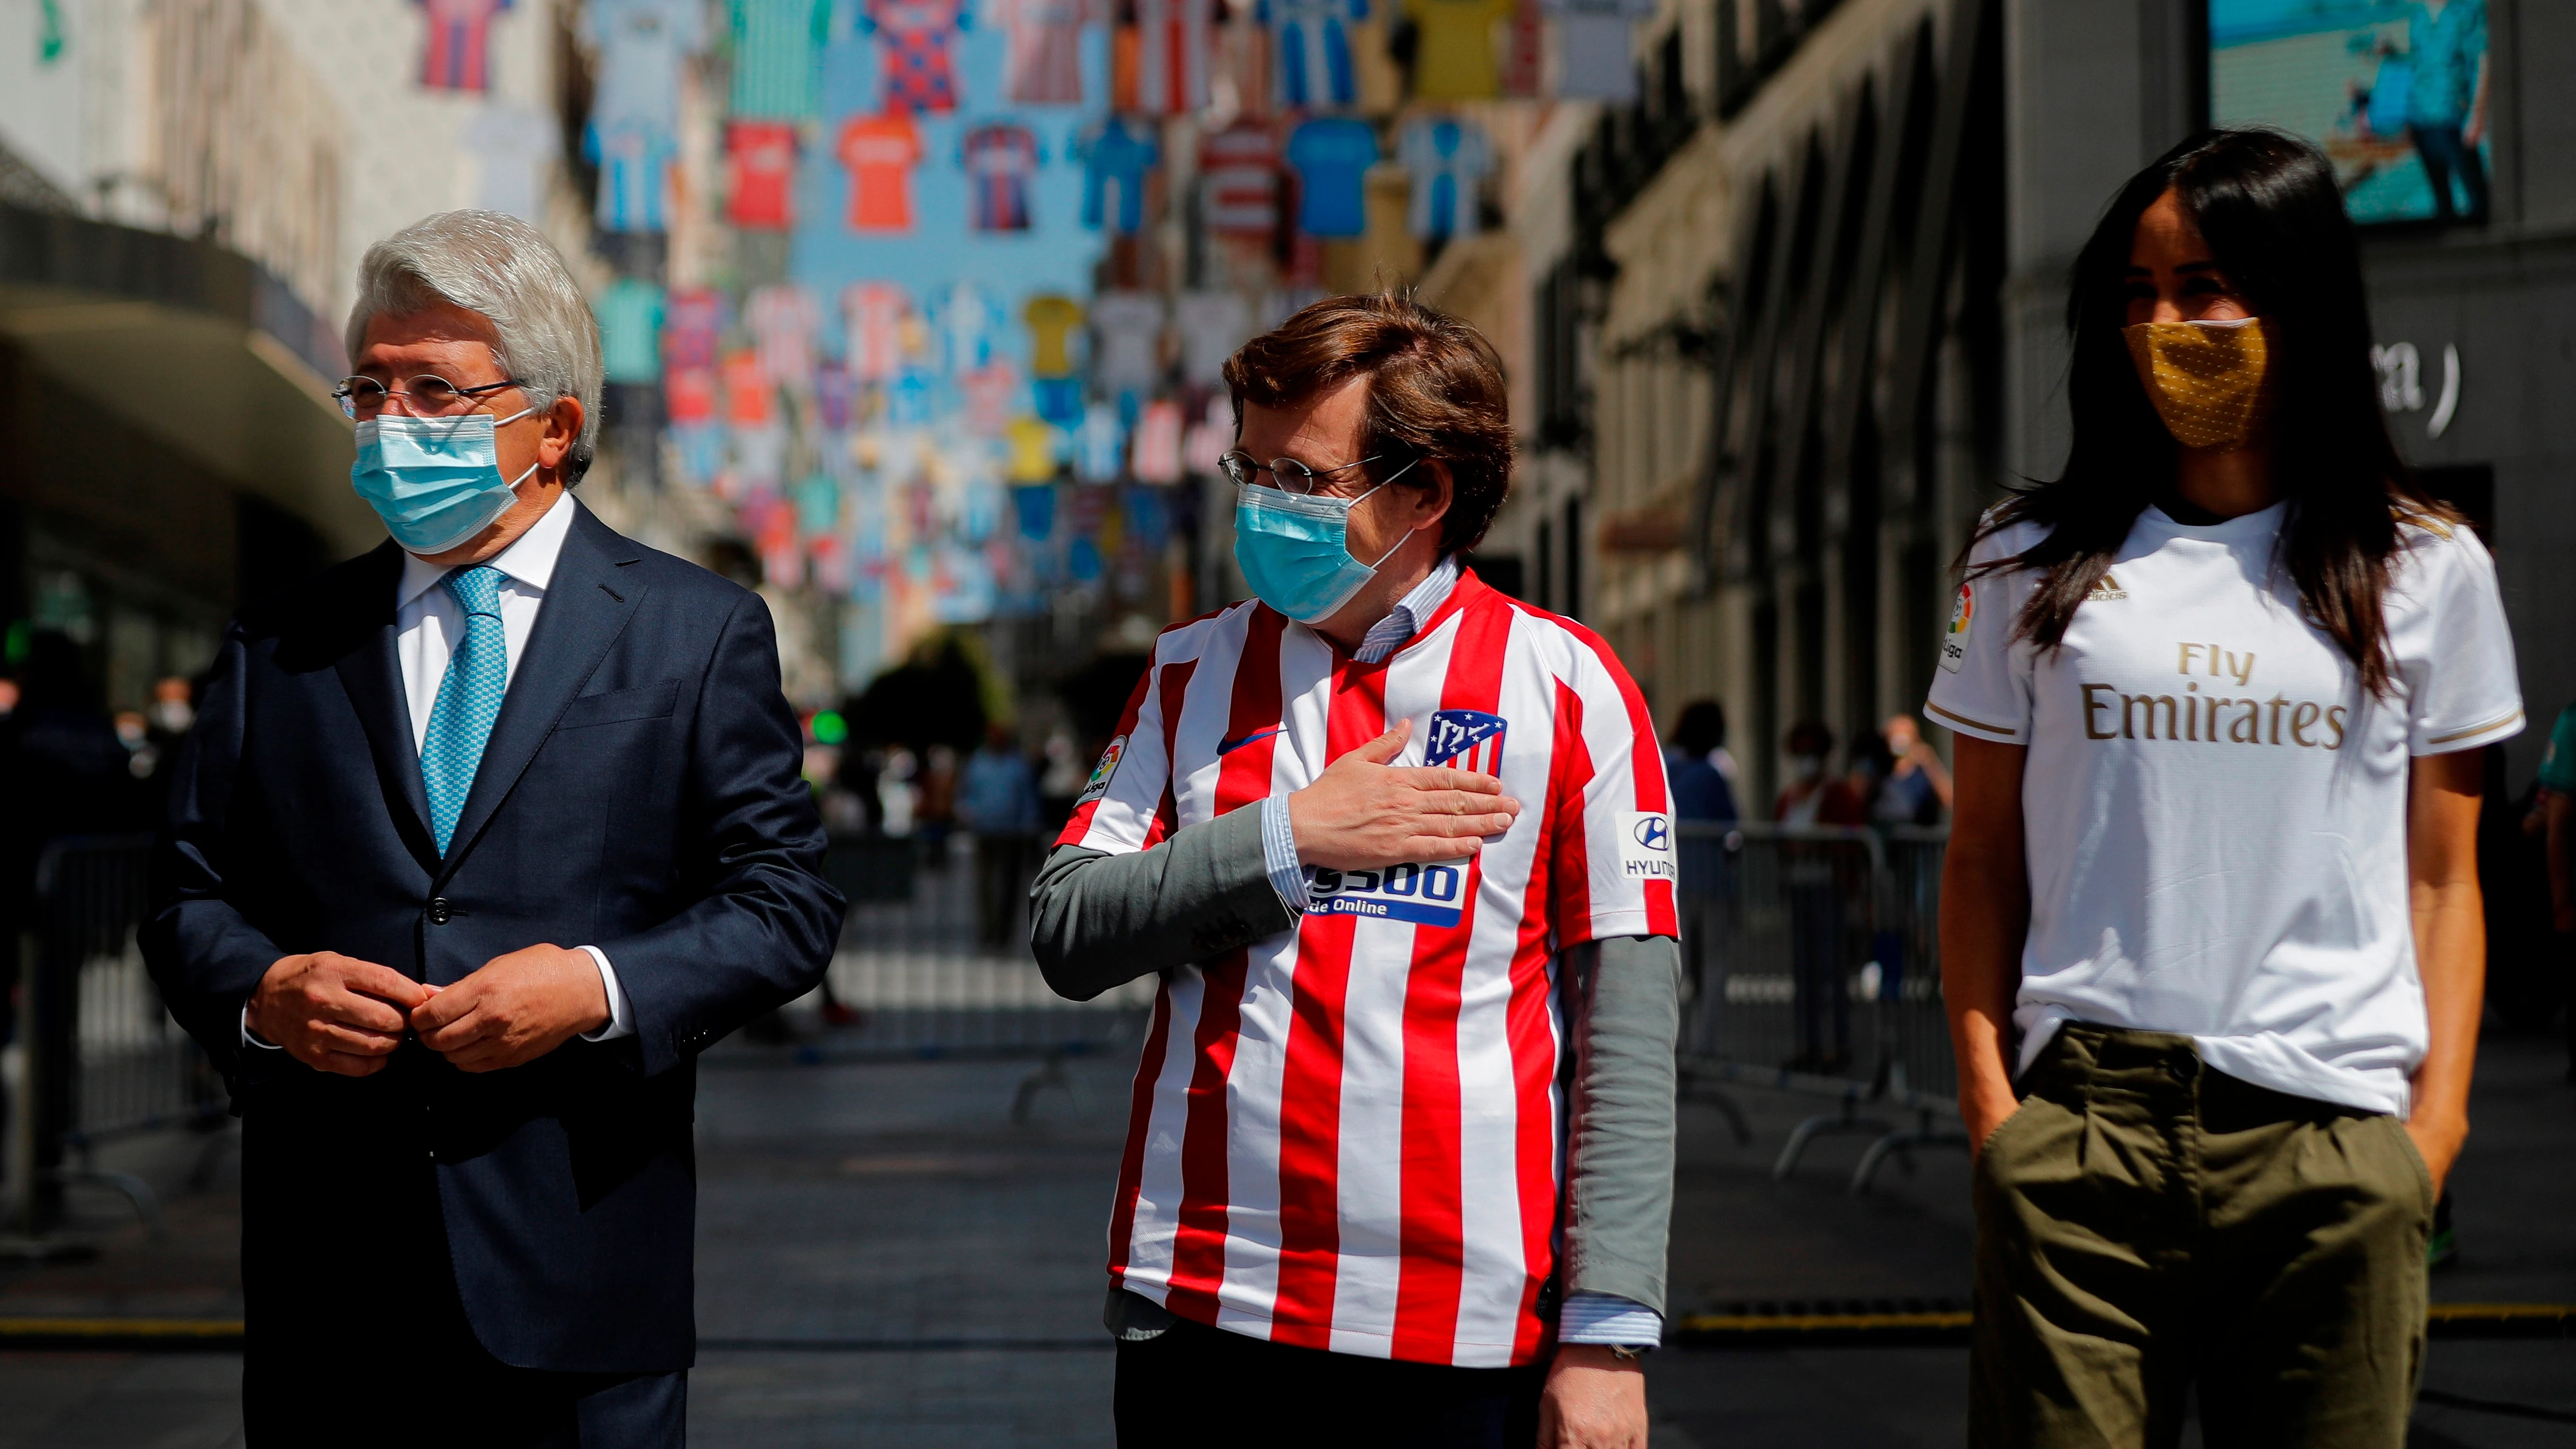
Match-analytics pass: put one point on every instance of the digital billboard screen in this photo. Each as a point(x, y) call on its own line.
point(2396, 93)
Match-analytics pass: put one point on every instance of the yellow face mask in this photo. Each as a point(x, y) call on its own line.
point(2205, 378)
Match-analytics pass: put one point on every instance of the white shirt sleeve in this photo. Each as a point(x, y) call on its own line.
point(1983, 685)
point(621, 1016)
point(1279, 856)
point(2452, 647)
point(249, 1039)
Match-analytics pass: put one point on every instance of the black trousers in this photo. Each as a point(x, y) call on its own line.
point(354, 1331)
point(2446, 152)
point(1195, 1386)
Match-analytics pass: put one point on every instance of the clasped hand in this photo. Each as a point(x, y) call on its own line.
point(338, 1014)
point(1363, 814)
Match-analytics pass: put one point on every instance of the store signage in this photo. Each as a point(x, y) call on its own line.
point(2401, 383)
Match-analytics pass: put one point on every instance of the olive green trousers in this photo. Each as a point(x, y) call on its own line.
point(2146, 1225)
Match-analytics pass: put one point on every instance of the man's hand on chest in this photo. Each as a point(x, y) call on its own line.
point(1363, 814)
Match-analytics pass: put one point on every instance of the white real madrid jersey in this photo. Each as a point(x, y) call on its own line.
point(2214, 810)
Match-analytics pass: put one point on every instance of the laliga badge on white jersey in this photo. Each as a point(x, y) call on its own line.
point(1646, 845)
point(1954, 644)
point(1104, 772)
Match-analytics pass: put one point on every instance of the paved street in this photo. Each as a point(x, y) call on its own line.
point(865, 1226)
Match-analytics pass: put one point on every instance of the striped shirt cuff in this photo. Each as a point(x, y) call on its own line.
point(1607, 1318)
point(1279, 856)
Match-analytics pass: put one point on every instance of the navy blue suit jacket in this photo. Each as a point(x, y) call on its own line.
point(641, 792)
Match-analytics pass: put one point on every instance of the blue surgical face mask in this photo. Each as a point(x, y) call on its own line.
point(1295, 549)
point(436, 482)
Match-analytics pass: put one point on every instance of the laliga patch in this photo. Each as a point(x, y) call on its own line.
point(1104, 772)
point(1954, 644)
point(1646, 845)
point(1421, 895)
point(1465, 739)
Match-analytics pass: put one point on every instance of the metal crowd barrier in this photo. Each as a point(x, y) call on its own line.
point(103, 1058)
point(1813, 966)
point(934, 958)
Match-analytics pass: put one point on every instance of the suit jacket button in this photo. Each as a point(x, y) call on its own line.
point(439, 913)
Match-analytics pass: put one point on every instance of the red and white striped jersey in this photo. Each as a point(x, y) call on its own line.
point(1349, 1136)
point(1172, 61)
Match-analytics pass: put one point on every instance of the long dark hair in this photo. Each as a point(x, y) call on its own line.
point(2267, 205)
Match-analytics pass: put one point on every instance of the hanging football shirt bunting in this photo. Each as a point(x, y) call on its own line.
point(914, 39)
point(1158, 443)
point(1454, 55)
point(513, 150)
point(1001, 161)
point(1130, 329)
point(1332, 157)
point(777, 57)
point(1310, 51)
point(879, 152)
point(641, 45)
point(1212, 326)
point(1171, 56)
point(760, 165)
point(458, 54)
point(1595, 49)
point(630, 330)
point(1051, 320)
point(966, 323)
point(1239, 166)
point(1042, 49)
point(693, 323)
point(1115, 158)
point(783, 321)
point(635, 164)
point(873, 316)
point(1445, 159)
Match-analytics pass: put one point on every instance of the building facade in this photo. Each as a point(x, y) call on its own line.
point(185, 189)
point(1788, 323)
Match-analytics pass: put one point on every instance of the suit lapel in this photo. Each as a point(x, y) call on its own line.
point(370, 673)
point(587, 605)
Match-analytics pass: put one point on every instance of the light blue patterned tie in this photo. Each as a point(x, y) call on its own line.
point(478, 673)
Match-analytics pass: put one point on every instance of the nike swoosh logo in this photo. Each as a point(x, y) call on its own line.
point(1227, 747)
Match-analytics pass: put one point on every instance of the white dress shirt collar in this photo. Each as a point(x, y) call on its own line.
point(530, 558)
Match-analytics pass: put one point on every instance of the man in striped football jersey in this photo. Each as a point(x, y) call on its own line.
point(1400, 1161)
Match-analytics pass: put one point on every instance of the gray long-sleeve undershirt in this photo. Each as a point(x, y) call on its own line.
point(1099, 920)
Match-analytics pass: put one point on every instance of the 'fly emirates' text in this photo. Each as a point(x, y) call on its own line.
point(2208, 716)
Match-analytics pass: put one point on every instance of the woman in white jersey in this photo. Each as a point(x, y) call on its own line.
point(2210, 926)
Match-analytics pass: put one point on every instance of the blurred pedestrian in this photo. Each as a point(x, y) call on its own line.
point(1304, 809)
point(1917, 788)
point(1814, 796)
point(69, 770)
point(1701, 791)
point(2221, 692)
point(64, 771)
point(1820, 879)
point(421, 778)
point(934, 811)
point(998, 800)
point(1703, 803)
point(2558, 814)
point(1060, 782)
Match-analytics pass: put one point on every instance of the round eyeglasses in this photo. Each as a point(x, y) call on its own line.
point(427, 395)
point(1241, 468)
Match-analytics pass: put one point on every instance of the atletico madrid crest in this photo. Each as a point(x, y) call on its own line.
point(1465, 739)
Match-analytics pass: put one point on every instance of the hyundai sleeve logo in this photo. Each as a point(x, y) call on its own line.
point(1645, 845)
